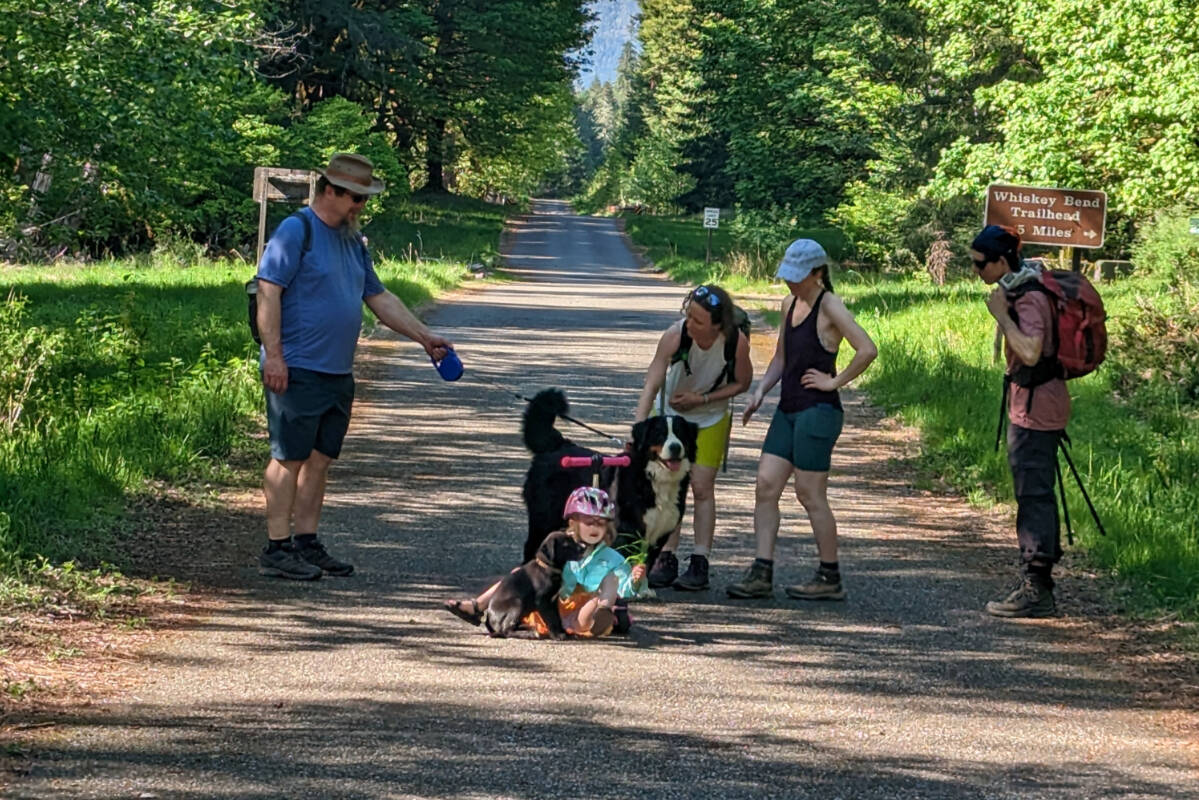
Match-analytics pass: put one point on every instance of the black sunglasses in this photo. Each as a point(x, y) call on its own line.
point(357, 198)
point(981, 263)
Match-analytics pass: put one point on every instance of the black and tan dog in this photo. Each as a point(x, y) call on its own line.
point(650, 494)
point(533, 586)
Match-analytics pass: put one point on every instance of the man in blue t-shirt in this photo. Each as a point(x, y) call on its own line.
point(314, 276)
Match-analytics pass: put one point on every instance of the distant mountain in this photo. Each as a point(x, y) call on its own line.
point(615, 25)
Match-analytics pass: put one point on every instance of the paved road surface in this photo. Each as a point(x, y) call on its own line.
point(365, 688)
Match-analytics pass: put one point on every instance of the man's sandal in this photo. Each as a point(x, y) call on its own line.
point(459, 609)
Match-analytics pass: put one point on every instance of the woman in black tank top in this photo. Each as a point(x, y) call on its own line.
point(808, 419)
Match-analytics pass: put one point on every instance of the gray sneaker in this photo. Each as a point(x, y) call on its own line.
point(1032, 597)
point(665, 570)
point(758, 582)
point(284, 562)
point(824, 585)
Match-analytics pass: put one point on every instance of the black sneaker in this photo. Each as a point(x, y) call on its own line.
point(284, 562)
point(315, 554)
point(623, 620)
point(665, 570)
point(695, 579)
point(1032, 597)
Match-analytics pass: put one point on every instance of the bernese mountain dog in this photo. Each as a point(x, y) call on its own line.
point(650, 494)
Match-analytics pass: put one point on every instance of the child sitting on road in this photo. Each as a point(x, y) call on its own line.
point(591, 585)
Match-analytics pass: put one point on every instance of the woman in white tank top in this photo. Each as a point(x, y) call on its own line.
point(699, 390)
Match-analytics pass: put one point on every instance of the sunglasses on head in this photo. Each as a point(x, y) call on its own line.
point(706, 296)
point(357, 198)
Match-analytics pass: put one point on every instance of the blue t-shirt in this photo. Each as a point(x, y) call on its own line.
point(322, 293)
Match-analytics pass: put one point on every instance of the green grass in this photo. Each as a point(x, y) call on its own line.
point(678, 246)
point(1137, 454)
point(117, 373)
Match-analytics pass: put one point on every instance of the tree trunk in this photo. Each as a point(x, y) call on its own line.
point(435, 157)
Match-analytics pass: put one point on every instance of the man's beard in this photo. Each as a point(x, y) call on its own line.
point(349, 228)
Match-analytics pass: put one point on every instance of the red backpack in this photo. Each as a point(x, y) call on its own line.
point(1079, 327)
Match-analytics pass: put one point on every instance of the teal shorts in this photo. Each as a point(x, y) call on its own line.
point(805, 438)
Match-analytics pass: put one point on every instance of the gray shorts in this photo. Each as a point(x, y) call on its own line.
point(313, 414)
point(805, 438)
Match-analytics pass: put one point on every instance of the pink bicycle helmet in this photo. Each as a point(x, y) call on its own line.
point(590, 501)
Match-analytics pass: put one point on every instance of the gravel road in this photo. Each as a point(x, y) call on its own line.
point(365, 688)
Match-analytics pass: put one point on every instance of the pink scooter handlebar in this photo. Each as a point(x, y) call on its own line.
point(585, 461)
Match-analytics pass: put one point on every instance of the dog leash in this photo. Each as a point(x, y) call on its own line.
point(618, 442)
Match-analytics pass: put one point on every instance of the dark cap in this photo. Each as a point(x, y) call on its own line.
point(996, 240)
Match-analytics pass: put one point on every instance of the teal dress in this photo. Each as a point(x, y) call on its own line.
point(591, 570)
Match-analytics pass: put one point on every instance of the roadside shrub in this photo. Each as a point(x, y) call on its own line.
point(1156, 356)
point(1158, 348)
point(1165, 247)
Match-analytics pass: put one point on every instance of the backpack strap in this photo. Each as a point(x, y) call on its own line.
point(730, 360)
point(683, 351)
point(306, 245)
point(1048, 368)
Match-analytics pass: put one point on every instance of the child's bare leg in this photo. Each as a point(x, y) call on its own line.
point(604, 598)
point(484, 600)
point(472, 610)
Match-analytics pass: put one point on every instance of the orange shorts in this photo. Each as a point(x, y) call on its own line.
point(568, 609)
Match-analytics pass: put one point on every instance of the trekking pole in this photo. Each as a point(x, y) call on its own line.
point(1070, 462)
point(1061, 487)
point(728, 437)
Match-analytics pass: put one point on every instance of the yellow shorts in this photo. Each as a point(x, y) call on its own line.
point(709, 448)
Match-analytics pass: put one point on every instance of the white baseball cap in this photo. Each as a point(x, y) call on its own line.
point(802, 256)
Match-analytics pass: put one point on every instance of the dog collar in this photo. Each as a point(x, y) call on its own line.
point(546, 565)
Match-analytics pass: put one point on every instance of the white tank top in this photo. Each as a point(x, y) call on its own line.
point(706, 367)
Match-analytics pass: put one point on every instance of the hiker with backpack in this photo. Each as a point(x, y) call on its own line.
point(313, 278)
point(807, 422)
point(1053, 329)
point(701, 364)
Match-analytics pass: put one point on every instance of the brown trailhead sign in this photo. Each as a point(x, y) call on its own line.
point(1062, 217)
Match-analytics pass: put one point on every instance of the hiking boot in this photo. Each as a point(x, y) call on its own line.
point(1032, 597)
point(284, 562)
point(315, 554)
point(758, 582)
point(825, 585)
point(666, 569)
point(695, 579)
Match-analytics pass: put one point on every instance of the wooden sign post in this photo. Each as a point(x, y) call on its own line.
point(278, 185)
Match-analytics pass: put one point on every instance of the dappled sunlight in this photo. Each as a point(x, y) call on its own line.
point(906, 684)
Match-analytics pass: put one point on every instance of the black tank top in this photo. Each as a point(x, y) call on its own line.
point(804, 352)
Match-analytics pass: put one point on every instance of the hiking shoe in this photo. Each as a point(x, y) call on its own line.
point(284, 562)
point(825, 585)
point(666, 569)
point(695, 579)
point(758, 582)
point(1032, 597)
point(315, 554)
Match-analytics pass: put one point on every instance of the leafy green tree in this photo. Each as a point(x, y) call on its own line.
point(1111, 105)
point(117, 119)
point(446, 78)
